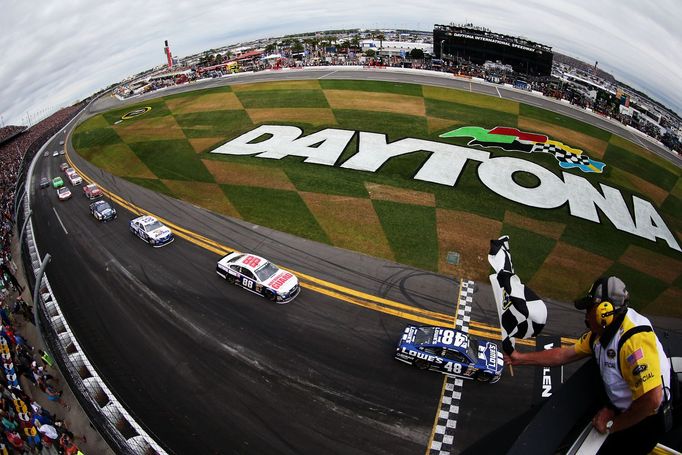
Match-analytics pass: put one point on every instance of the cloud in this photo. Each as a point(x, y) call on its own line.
point(58, 52)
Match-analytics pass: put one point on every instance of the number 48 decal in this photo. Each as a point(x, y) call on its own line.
point(449, 336)
point(452, 367)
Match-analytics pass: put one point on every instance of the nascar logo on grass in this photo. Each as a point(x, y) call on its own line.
point(444, 166)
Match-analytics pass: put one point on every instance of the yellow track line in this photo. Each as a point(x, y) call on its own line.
point(315, 284)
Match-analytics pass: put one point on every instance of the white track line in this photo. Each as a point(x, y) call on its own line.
point(328, 74)
point(60, 221)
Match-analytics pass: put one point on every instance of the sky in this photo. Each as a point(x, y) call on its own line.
point(57, 53)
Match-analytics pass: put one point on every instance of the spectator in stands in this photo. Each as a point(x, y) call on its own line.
point(54, 395)
point(67, 444)
point(15, 440)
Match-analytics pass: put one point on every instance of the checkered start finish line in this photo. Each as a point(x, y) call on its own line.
point(444, 433)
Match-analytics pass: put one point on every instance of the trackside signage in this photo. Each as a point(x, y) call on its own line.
point(444, 166)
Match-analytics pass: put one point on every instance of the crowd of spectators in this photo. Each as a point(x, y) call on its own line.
point(25, 426)
point(8, 132)
point(550, 86)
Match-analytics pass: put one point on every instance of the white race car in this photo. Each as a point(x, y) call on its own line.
point(259, 276)
point(151, 231)
point(63, 193)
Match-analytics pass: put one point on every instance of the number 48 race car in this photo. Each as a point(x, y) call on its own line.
point(450, 352)
point(260, 276)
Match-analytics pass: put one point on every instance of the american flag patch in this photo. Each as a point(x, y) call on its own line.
point(635, 356)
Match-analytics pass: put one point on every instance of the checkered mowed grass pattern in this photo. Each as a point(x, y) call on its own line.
point(199, 121)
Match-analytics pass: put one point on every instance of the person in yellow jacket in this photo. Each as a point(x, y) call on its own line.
point(634, 368)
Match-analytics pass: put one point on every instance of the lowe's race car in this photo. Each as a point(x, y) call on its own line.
point(151, 231)
point(450, 352)
point(259, 275)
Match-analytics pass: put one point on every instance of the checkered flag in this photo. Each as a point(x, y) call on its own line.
point(544, 148)
point(569, 157)
point(522, 313)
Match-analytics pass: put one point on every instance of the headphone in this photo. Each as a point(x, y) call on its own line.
point(605, 310)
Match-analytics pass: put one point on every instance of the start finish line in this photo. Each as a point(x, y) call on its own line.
point(444, 166)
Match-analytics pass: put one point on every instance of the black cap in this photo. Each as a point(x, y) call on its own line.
point(605, 289)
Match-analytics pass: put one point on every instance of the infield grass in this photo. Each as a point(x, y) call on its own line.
point(413, 222)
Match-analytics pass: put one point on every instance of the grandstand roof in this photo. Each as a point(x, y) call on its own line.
point(250, 54)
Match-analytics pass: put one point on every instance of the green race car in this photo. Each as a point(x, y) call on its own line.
point(57, 182)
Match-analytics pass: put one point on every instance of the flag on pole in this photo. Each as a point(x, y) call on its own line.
point(522, 313)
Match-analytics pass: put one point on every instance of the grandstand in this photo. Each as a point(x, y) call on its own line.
point(458, 43)
point(10, 131)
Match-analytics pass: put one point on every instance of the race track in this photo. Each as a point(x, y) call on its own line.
point(210, 368)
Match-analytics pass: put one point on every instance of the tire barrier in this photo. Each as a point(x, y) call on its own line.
point(106, 413)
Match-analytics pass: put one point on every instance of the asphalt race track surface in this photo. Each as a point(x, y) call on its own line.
point(210, 368)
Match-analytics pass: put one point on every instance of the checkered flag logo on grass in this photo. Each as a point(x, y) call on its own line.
point(513, 139)
point(522, 313)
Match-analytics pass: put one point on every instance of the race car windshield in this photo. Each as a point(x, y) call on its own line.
point(423, 335)
point(266, 271)
point(153, 226)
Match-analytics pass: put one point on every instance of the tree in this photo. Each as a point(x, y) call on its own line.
point(270, 48)
point(417, 54)
point(355, 41)
point(296, 46)
point(370, 53)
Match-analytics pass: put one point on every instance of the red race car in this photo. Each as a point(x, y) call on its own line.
point(92, 191)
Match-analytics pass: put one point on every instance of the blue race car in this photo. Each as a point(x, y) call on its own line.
point(102, 211)
point(451, 352)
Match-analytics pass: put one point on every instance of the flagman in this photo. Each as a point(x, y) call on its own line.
point(634, 368)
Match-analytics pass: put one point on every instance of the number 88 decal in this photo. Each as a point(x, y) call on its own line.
point(247, 283)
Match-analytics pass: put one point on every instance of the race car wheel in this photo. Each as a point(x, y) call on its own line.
point(271, 296)
point(483, 376)
point(421, 364)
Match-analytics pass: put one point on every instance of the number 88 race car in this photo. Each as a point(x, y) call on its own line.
point(450, 352)
point(259, 275)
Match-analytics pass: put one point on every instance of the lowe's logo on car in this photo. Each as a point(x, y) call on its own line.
point(444, 166)
point(422, 355)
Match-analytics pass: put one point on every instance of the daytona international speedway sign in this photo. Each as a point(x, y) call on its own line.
point(444, 166)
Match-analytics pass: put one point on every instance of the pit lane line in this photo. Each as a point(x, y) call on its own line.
point(315, 284)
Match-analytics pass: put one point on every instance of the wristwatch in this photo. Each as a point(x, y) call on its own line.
point(609, 424)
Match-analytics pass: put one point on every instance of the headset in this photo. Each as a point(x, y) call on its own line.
point(606, 312)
